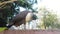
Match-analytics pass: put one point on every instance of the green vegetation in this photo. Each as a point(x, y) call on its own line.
point(49, 19)
point(2, 29)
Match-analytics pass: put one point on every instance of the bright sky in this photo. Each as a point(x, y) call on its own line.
point(51, 5)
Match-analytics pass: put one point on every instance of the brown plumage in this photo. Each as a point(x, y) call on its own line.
point(20, 18)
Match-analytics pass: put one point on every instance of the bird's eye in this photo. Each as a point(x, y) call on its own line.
point(34, 17)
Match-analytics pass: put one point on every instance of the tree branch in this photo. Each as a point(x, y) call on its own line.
point(2, 4)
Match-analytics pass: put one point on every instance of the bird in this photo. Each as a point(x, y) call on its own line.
point(19, 19)
point(22, 18)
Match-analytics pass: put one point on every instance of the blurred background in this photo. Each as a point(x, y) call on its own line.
point(47, 12)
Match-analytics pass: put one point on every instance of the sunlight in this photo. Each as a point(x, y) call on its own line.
point(50, 5)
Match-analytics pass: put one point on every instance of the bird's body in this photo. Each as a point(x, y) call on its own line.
point(21, 18)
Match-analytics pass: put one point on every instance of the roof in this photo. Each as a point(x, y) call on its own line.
point(31, 32)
